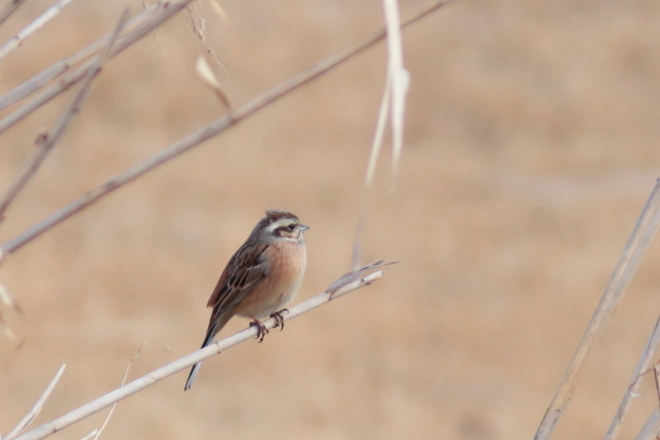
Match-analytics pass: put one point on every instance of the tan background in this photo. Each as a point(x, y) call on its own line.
point(531, 146)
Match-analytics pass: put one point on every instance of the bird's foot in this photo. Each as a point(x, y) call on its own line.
point(261, 329)
point(279, 319)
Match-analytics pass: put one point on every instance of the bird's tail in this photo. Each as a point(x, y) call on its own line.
point(214, 327)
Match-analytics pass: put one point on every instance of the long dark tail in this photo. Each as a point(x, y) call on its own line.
point(214, 327)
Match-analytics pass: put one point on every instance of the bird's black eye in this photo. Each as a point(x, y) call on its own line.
point(292, 227)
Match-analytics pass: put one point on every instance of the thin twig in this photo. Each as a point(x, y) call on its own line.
point(650, 429)
point(185, 362)
point(37, 406)
point(645, 229)
point(90, 435)
point(642, 365)
point(9, 9)
point(42, 78)
point(203, 134)
point(164, 13)
point(18, 39)
point(371, 171)
point(97, 432)
point(47, 142)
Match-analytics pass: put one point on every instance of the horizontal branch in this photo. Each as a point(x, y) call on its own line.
point(147, 380)
point(213, 129)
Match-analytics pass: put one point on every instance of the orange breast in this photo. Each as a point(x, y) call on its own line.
point(286, 267)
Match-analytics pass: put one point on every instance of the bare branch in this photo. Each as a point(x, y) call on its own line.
point(205, 133)
point(164, 13)
point(9, 9)
point(37, 406)
point(18, 39)
point(651, 427)
point(65, 64)
point(185, 362)
point(645, 229)
point(642, 365)
point(47, 142)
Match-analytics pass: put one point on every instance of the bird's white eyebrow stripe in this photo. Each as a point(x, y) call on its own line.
point(279, 223)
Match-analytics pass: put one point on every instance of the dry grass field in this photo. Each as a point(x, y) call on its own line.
point(532, 143)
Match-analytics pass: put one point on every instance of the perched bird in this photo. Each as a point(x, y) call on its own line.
point(262, 276)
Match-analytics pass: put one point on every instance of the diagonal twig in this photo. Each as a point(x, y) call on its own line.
point(44, 18)
point(97, 432)
point(205, 133)
point(47, 142)
point(166, 11)
point(650, 429)
point(642, 365)
point(9, 9)
point(645, 229)
point(37, 406)
point(185, 362)
point(65, 64)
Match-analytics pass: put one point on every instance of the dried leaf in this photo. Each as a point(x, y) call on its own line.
point(207, 75)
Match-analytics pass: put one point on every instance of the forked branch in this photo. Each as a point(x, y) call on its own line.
point(47, 141)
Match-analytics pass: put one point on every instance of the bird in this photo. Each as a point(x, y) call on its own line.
point(260, 278)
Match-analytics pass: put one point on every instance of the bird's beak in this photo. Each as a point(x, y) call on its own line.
point(304, 227)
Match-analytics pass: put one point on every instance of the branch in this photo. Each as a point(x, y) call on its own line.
point(37, 406)
point(642, 365)
point(645, 229)
point(9, 9)
point(205, 133)
point(18, 39)
point(65, 64)
point(166, 10)
point(650, 429)
point(185, 362)
point(48, 141)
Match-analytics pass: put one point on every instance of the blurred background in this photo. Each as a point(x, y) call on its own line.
point(531, 146)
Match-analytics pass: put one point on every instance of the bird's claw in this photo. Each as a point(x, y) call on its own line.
point(279, 319)
point(261, 330)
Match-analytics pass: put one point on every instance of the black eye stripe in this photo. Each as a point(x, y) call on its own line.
point(285, 229)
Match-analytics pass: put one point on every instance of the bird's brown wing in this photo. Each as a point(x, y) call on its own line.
point(243, 272)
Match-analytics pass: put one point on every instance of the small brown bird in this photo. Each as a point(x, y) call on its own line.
point(261, 278)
